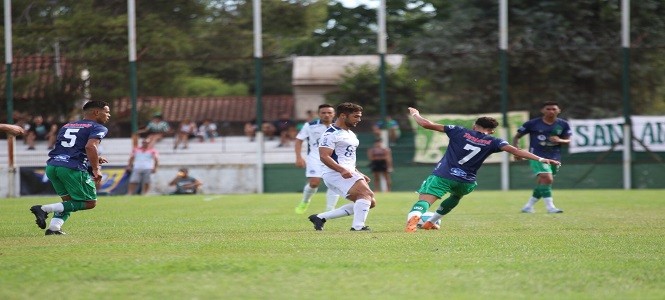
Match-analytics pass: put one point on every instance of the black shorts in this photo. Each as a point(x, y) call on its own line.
point(378, 165)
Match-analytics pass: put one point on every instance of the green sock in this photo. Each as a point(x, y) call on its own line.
point(422, 206)
point(62, 215)
point(448, 204)
point(545, 190)
point(72, 206)
point(536, 192)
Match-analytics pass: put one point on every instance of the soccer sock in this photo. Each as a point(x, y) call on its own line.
point(536, 193)
point(55, 207)
point(545, 190)
point(435, 217)
point(308, 192)
point(418, 209)
point(72, 206)
point(529, 204)
point(549, 203)
point(331, 200)
point(342, 211)
point(360, 211)
point(56, 224)
point(448, 205)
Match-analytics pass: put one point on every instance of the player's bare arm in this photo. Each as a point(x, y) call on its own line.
point(560, 140)
point(300, 162)
point(12, 129)
point(93, 158)
point(516, 140)
point(425, 123)
point(528, 155)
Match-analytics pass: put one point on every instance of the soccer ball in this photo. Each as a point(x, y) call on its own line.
point(426, 217)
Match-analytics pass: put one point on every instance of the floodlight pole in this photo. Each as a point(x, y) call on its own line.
point(9, 84)
point(381, 20)
point(9, 94)
point(625, 85)
point(133, 86)
point(503, 65)
point(258, 56)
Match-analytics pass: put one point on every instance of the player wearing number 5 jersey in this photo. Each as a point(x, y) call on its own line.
point(456, 171)
point(74, 167)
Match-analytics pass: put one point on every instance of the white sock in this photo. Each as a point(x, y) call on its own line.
point(360, 211)
point(55, 207)
point(331, 200)
point(56, 224)
point(530, 203)
point(549, 203)
point(414, 213)
point(308, 192)
point(435, 217)
point(342, 211)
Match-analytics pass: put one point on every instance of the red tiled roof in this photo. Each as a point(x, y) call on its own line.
point(39, 71)
point(228, 109)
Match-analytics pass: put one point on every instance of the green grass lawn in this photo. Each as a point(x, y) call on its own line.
point(609, 244)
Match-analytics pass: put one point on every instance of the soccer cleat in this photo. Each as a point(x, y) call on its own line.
point(365, 228)
point(554, 211)
point(430, 226)
point(412, 224)
point(318, 222)
point(54, 232)
point(528, 210)
point(40, 216)
point(302, 208)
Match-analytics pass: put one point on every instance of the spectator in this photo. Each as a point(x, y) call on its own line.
point(40, 130)
point(142, 164)
point(394, 131)
point(207, 131)
point(310, 117)
point(250, 130)
point(186, 130)
point(381, 164)
point(286, 129)
point(185, 184)
point(156, 129)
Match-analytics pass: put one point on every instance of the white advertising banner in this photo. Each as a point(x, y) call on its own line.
point(601, 134)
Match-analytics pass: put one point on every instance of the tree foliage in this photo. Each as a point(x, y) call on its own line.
point(565, 51)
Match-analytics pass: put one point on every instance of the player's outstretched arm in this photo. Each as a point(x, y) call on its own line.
point(425, 123)
point(517, 152)
point(528, 155)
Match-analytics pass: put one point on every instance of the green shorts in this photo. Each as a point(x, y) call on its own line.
point(439, 186)
point(538, 167)
point(77, 184)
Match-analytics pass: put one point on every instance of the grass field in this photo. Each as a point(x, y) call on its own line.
point(607, 245)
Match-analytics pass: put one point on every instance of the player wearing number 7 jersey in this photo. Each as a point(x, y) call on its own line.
point(73, 167)
point(456, 171)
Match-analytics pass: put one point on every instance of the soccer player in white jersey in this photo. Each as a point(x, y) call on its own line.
point(337, 150)
point(311, 133)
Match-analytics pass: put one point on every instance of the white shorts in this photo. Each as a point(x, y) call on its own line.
point(339, 184)
point(314, 167)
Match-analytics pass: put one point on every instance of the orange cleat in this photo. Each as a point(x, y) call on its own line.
point(430, 226)
point(412, 224)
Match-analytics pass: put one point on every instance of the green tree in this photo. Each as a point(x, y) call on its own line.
point(361, 85)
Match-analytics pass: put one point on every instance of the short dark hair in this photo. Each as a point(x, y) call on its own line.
point(548, 103)
point(95, 104)
point(487, 122)
point(324, 106)
point(348, 108)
